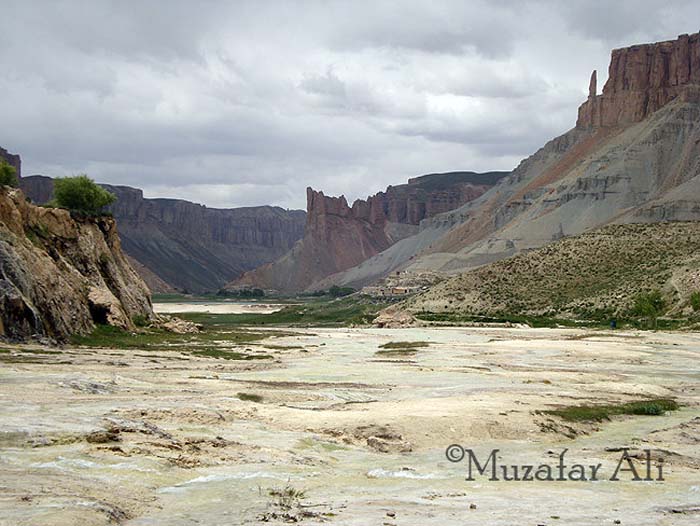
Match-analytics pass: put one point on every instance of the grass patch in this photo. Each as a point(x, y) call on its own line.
point(404, 345)
point(587, 413)
point(249, 397)
point(106, 336)
point(336, 313)
point(230, 355)
point(396, 352)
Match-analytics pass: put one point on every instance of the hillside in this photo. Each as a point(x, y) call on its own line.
point(594, 275)
point(338, 236)
point(187, 246)
point(633, 156)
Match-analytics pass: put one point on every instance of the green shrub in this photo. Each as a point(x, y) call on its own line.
point(81, 194)
point(649, 305)
point(8, 175)
point(695, 301)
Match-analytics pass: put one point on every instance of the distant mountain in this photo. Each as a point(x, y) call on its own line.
point(338, 236)
point(181, 245)
point(634, 156)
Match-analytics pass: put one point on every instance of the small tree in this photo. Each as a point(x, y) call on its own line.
point(8, 174)
point(81, 194)
point(649, 305)
point(695, 301)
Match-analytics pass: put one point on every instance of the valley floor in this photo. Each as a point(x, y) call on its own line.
point(99, 436)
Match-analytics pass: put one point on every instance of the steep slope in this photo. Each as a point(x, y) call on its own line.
point(338, 236)
point(189, 246)
point(634, 156)
point(593, 275)
point(60, 276)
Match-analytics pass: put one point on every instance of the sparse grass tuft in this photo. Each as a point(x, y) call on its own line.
point(250, 397)
point(404, 345)
point(596, 413)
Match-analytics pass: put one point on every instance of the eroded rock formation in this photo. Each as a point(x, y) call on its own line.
point(188, 246)
point(634, 156)
point(642, 79)
point(60, 276)
point(338, 236)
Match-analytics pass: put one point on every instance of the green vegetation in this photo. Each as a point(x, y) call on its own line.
point(286, 498)
point(81, 195)
point(337, 313)
point(249, 397)
point(695, 301)
point(334, 292)
point(452, 318)
point(230, 355)
point(649, 305)
point(140, 320)
point(604, 412)
point(8, 175)
point(215, 341)
point(397, 352)
point(241, 293)
point(403, 345)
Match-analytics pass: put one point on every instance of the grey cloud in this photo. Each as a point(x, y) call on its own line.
point(243, 103)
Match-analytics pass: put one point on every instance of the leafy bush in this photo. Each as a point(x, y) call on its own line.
point(81, 194)
point(695, 301)
point(8, 175)
point(649, 305)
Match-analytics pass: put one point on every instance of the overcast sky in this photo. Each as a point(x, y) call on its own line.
point(247, 103)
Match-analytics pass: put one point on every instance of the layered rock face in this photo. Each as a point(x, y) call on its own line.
point(60, 276)
point(186, 246)
point(641, 80)
point(12, 160)
point(338, 236)
point(634, 156)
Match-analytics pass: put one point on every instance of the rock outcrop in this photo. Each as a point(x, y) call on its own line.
point(188, 246)
point(634, 156)
point(338, 236)
point(61, 275)
point(643, 79)
point(12, 160)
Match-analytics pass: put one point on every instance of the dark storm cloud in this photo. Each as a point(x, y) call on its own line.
point(240, 103)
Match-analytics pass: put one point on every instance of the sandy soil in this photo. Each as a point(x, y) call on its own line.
point(143, 438)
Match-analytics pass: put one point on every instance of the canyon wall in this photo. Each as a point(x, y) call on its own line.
point(634, 156)
point(188, 246)
point(338, 236)
point(641, 80)
point(60, 275)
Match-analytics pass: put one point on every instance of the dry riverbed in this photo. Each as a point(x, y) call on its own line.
point(347, 426)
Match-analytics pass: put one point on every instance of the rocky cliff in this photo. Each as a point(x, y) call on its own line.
point(60, 276)
point(643, 79)
point(338, 236)
point(12, 160)
point(187, 246)
point(634, 156)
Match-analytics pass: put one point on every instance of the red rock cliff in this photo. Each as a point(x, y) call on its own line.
point(338, 236)
point(642, 79)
